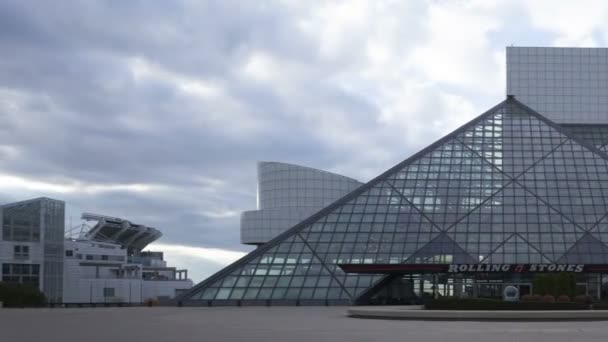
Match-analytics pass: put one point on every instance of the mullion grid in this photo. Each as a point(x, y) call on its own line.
point(600, 230)
point(370, 205)
point(571, 232)
point(527, 216)
point(329, 281)
point(415, 222)
point(572, 180)
point(292, 259)
point(587, 250)
point(594, 135)
point(487, 143)
point(476, 140)
point(531, 233)
point(515, 249)
point(537, 131)
point(372, 226)
point(302, 276)
point(472, 170)
point(251, 278)
point(481, 172)
point(262, 280)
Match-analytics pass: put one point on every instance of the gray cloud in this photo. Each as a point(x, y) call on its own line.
point(157, 111)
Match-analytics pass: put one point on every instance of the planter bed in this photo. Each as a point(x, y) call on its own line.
point(497, 305)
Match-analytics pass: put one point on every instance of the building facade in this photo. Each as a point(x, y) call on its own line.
point(103, 272)
point(31, 245)
point(568, 85)
point(105, 264)
point(287, 194)
point(509, 195)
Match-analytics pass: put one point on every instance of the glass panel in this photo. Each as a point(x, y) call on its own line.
point(510, 187)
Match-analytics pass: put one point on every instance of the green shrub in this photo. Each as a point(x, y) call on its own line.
point(493, 304)
point(18, 295)
point(555, 284)
point(565, 284)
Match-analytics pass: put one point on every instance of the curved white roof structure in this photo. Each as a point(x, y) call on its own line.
point(133, 237)
point(287, 194)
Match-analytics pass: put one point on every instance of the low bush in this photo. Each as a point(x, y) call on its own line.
point(494, 304)
point(18, 296)
point(548, 299)
point(531, 298)
point(151, 302)
point(600, 306)
point(563, 298)
point(586, 299)
point(555, 284)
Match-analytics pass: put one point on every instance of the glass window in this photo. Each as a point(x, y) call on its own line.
point(21, 252)
point(223, 294)
point(21, 273)
point(457, 201)
point(108, 292)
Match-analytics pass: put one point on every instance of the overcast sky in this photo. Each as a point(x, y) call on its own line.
point(157, 111)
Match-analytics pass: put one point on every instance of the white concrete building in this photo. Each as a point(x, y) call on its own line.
point(101, 272)
point(31, 244)
point(94, 268)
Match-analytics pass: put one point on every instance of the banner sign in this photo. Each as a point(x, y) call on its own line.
point(514, 268)
point(472, 268)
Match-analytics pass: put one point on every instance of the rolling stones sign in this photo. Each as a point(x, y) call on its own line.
point(514, 268)
point(473, 268)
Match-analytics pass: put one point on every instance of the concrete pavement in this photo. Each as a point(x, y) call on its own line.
point(263, 324)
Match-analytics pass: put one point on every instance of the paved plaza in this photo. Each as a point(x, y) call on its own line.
point(253, 324)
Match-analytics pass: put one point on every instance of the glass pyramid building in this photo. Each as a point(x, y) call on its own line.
point(596, 135)
point(510, 187)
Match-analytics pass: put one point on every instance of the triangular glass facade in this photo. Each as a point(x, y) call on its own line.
point(596, 135)
point(508, 187)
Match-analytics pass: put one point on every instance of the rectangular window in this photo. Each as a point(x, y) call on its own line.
point(6, 232)
point(21, 252)
point(108, 292)
point(21, 273)
point(19, 228)
point(69, 253)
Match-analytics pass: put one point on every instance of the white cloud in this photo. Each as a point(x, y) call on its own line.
point(201, 262)
point(15, 183)
point(458, 48)
point(144, 71)
point(221, 213)
point(576, 23)
point(260, 66)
